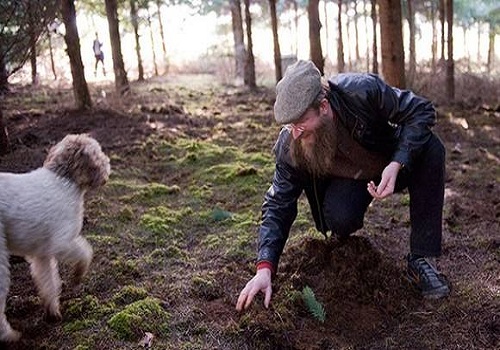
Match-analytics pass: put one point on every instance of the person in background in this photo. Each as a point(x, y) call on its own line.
point(344, 143)
point(99, 55)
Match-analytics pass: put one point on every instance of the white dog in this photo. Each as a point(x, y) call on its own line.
point(41, 216)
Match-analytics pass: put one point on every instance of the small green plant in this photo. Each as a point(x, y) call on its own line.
point(313, 305)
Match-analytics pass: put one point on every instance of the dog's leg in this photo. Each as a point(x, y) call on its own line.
point(79, 255)
point(46, 276)
point(7, 334)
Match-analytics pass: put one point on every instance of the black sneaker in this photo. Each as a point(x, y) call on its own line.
point(431, 283)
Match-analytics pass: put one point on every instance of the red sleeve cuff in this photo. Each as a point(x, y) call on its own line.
point(265, 264)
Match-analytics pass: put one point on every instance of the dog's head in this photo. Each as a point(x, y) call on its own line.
point(80, 159)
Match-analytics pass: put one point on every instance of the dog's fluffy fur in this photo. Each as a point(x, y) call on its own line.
point(41, 216)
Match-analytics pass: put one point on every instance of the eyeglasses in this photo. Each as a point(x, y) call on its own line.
point(297, 129)
point(304, 124)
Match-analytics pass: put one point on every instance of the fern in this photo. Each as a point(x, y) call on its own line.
point(313, 305)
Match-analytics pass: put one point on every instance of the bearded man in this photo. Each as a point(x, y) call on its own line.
point(344, 143)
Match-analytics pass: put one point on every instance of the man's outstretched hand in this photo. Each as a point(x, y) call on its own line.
point(261, 282)
point(387, 183)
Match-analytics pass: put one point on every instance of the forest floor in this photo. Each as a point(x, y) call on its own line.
point(174, 232)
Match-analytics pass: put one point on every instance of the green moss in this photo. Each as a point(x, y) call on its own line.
point(145, 315)
point(204, 191)
point(79, 325)
point(126, 214)
point(157, 190)
point(213, 241)
point(120, 185)
point(82, 347)
point(126, 267)
point(88, 308)
point(104, 240)
point(240, 248)
point(170, 252)
point(206, 287)
point(405, 200)
point(161, 220)
point(129, 294)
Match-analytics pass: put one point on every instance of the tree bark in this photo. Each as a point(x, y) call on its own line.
point(356, 31)
point(442, 21)
point(4, 76)
point(249, 78)
point(162, 35)
point(327, 38)
point(348, 24)
point(340, 42)
point(277, 51)
point(491, 48)
point(121, 82)
point(240, 52)
point(367, 39)
point(316, 52)
point(411, 25)
point(151, 37)
point(450, 64)
point(80, 88)
point(33, 37)
point(51, 53)
point(375, 45)
point(393, 62)
point(434, 38)
point(135, 25)
point(4, 137)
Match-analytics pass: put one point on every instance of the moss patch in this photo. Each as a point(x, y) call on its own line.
point(146, 315)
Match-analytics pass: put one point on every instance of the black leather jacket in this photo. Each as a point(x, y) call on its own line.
point(381, 118)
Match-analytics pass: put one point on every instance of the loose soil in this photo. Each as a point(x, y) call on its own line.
point(360, 282)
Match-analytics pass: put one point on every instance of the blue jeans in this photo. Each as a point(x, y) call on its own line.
point(346, 200)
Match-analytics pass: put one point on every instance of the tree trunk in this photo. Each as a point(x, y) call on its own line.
point(4, 137)
point(367, 52)
point(34, 73)
point(80, 88)
point(240, 53)
point(450, 64)
point(356, 30)
point(391, 32)
point(32, 41)
point(348, 37)
point(51, 53)
point(316, 52)
point(442, 21)
point(466, 46)
point(491, 48)
point(135, 25)
point(375, 45)
point(340, 43)
point(151, 37)
point(479, 43)
point(434, 38)
point(296, 20)
point(4, 76)
point(121, 82)
point(277, 51)
point(411, 25)
point(249, 77)
point(327, 38)
point(162, 35)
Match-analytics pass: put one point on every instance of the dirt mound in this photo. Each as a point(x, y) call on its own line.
point(359, 287)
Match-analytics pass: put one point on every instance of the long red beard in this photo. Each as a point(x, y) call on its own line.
point(316, 156)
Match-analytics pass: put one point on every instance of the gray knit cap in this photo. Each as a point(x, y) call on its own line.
point(300, 85)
